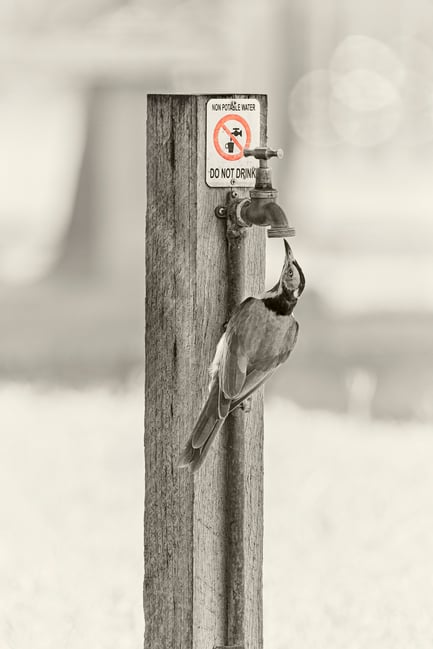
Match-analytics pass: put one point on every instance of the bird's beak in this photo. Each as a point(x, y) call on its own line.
point(289, 253)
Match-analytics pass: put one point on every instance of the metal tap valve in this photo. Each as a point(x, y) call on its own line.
point(264, 173)
point(264, 153)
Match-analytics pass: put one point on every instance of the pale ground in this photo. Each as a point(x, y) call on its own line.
point(349, 526)
point(349, 533)
point(71, 481)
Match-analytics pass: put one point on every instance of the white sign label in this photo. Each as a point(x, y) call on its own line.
point(232, 125)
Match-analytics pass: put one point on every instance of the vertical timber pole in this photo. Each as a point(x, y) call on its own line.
point(203, 534)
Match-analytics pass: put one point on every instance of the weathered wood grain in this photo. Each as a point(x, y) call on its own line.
point(192, 574)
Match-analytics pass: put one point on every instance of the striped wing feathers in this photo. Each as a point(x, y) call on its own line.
point(256, 342)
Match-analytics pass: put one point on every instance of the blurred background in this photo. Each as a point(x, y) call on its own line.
point(348, 535)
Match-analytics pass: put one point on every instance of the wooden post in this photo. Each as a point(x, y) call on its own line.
point(203, 534)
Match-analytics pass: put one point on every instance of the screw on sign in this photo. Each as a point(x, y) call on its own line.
point(232, 134)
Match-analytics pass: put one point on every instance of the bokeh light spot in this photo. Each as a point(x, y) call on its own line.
point(364, 128)
point(364, 90)
point(366, 77)
point(359, 52)
point(309, 109)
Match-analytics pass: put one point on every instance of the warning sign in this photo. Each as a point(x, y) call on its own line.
point(232, 126)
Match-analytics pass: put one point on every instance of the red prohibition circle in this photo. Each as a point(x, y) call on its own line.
point(221, 124)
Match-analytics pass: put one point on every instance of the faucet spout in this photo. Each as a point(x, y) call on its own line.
point(278, 221)
point(265, 212)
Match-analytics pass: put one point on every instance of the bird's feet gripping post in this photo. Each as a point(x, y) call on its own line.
point(246, 405)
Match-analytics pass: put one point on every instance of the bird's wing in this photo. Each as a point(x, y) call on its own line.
point(242, 327)
point(255, 378)
point(253, 381)
point(214, 411)
point(252, 352)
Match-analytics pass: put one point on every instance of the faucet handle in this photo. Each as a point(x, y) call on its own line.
point(264, 153)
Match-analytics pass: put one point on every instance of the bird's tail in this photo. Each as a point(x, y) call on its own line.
point(208, 424)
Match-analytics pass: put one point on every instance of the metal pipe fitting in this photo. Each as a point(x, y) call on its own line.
point(262, 208)
point(265, 212)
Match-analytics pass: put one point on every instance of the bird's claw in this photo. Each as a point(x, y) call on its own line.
point(246, 405)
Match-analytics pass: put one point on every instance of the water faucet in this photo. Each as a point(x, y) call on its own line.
point(260, 208)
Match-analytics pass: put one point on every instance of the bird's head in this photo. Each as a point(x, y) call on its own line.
point(292, 278)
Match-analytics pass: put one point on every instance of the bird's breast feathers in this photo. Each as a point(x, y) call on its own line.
point(256, 338)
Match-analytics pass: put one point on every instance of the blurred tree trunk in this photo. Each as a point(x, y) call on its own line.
point(77, 258)
point(104, 238)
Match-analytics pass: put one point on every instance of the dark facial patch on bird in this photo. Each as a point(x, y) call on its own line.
point(302, 277)
point(279, 304)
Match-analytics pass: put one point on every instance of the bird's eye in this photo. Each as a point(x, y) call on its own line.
point(291, 272)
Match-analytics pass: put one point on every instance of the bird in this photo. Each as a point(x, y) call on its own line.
point(259, 337)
